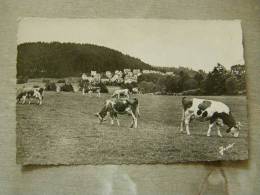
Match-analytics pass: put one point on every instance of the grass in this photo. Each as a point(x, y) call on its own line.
point(64, 130)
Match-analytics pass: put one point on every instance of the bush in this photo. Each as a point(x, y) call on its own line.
point(67, 87)
point(192, 92)
point(147, 87)
point(128, 86)
point(103, 88)
point(61, 81)
point(21, 80)
point(45, 80)
point(50, 86)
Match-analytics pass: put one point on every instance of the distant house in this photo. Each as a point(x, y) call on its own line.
point(130, 74)
point(108, 74)
point(146, 71)
point(119, 73)
point(84, 76)
point(97, 77)
point(238, 70)
point(130, 78)
point(137, 72)
point(127, 70)
point(105, 80)
point(152, 72)
point(117, 78)
point(170, 73)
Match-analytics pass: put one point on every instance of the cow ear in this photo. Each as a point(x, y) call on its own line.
point(96, 114)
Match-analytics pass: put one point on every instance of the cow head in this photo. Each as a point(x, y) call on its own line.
point(102, 115)
point(101, 119)
point(235, 129)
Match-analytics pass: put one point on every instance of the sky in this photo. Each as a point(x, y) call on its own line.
point(197, 44)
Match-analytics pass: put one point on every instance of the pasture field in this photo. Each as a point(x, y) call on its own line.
point(64, 130)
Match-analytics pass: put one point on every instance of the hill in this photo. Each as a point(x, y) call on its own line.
point(70, 59)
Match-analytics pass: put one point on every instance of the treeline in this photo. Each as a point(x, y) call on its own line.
point(70, 59)
point(219, 81)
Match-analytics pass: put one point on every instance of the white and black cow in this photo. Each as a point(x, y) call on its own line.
point(113, 107)
point(87, 88)
point(135, 90)
point(92, 89)
point(217, 113)
point(29, 94)
point(121, 92)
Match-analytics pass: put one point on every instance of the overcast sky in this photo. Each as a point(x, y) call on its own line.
point(196, 44)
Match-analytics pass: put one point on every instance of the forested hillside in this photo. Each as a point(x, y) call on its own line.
point(70, 59)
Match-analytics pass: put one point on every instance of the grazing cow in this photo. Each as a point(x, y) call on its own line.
point(36, 93)
point(135, 90)
point(121, 92)
point(91, 89)
point(113, 107)
point(216, 112)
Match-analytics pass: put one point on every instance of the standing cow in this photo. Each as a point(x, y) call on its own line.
point(121, 92)
point(29, 94)
point(216, 112)
point(89, 88)
point(113, 107)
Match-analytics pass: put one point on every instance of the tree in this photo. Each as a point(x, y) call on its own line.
point(231, 85)
point(183, 77)
point(190, 84)
point(199, 77)
point(147, 87)
point(215, 81)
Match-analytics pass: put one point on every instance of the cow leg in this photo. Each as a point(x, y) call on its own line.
point(24, 98)
point(219, 133)
point(209, 129)
point(83, 91)
point(134, 119)
point(40, 100)
point(187, 122)
point(111, 121)
point(115, 116)
point(182, 120)
point(111, 118)
point(118, 123)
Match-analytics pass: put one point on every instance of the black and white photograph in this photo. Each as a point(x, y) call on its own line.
point(130, 91)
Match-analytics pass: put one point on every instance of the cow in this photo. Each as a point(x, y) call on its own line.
point(217, 113)
point(121, 92)
point(113, 107)
point(36, 93)
point(90, 89)
point(94, 89)
point(135, 90)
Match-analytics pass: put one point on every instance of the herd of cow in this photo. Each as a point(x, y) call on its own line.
point(217, 113)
